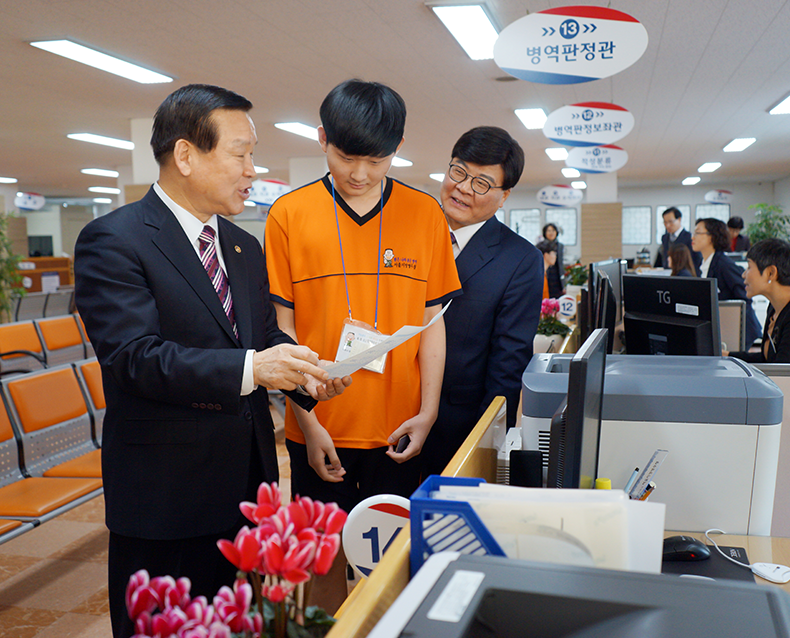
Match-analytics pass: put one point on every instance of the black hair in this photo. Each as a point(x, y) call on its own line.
point(186, 114)
point(556, 230)
point(736, 223)
point(363, 118)
point(681, 258)
point(677, 214)
point(772, 252)
point(717, 230)
point(546, 246)
point(492, 146)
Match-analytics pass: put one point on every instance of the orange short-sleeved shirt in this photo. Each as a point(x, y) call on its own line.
point(417, 270)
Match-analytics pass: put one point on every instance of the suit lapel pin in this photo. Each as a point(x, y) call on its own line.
point(238, 249)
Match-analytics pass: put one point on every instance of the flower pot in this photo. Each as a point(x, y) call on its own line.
point(574, 291)
point(546, 343)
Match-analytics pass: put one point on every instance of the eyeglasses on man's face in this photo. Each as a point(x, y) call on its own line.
point(479, 185)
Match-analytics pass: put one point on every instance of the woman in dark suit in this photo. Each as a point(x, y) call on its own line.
point(768, 273)
point(679, 260)
point(554, 273)
point(711, 240)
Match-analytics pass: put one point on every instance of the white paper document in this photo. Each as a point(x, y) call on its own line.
point(355, 362)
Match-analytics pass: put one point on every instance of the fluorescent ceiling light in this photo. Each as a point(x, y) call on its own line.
point(557, 153)
point(261, 169)
point(250, 203)
point(99, 172)
point(8, 180)
point(739, 144)
point(708, 167)
point(690, 181)
point(570, 172)
point(400, 162)
point(102, 200)
point(783, 108)
point(471, 27)
point(310, 132)
point(532, 118)
point(100, 139)
point(105, 189)
point(580, 185)
point(102, 61)
point(439, 177)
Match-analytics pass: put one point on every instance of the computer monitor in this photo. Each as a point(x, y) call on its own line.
point(614, 269)
point(671, 316)
point(576, 426)
point(605, 307)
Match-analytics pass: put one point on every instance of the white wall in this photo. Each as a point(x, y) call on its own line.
point(46, 222)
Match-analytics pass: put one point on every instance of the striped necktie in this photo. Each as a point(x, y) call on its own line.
point(210, 261)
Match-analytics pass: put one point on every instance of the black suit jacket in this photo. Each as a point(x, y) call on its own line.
point(729, 279)
point(178, 437)
point(778, 342)
point(683, 238)
point(490, 329)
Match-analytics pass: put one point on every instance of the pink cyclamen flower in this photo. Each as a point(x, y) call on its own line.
point(140, 597)
point(277, 593)
point(233, 606)
point(171, 592)
point(325, 554)
point(282, 558)
point(168, 622)
point(269, 501)
point(244, 552)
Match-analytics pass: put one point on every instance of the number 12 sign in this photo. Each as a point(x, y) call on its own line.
point(570, 45)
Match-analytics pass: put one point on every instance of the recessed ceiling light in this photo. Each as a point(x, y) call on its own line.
point(100, 139)
point(99, 172)
point(580, 185)
point(690, 181)
point(439, 177)
point(8, 180)
point(557, 153)
point(105, 189)
point(570, 172)
point(261, 169)
point(471, 27)
point(708, 167)
point(739, 144)
point(532, 118)
point(102, 200)
point(310, 132)
point(102, 61)
point(400, 162)
point(782, 108)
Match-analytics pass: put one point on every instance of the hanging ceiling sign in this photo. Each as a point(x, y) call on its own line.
point(597, 159)
point(265, 191)
point(570, 45)
point(719, 197)
point(559, 195)
point(29, 201)
point(588, 124)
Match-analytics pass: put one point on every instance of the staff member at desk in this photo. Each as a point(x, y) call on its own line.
point(711, 240)
point(768, 273)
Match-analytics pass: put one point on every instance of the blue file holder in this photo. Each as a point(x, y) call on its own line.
point(446, 526)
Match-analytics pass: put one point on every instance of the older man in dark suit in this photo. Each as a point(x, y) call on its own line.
point(490, 328)
point(176, 303)
point(675, 234)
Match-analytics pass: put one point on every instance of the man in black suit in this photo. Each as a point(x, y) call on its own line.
point(185, 334)
point(490, 328)
point(675, 234)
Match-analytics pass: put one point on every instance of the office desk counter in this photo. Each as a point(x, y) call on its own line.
point(477, 458)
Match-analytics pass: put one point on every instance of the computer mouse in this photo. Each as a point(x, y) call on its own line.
point(685, 548)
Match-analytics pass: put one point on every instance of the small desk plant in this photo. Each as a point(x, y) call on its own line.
point(276, 560)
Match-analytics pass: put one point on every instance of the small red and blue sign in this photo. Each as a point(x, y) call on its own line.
point(597, 159)
point(719, 197)
point(588, 124)
point(570, 45)
point(559, 195)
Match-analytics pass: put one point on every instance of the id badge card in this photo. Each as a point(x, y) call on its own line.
point(356, 337)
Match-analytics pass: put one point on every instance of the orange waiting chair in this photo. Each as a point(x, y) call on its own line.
point(53, 424)
point(61, 339)
point(89, 375)
point(28, 502)
point(20, 348)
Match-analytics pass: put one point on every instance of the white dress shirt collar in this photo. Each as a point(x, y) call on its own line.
point(703, 270)
point(463, 235)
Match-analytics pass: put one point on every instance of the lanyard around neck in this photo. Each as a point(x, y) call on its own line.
point(378, 255)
